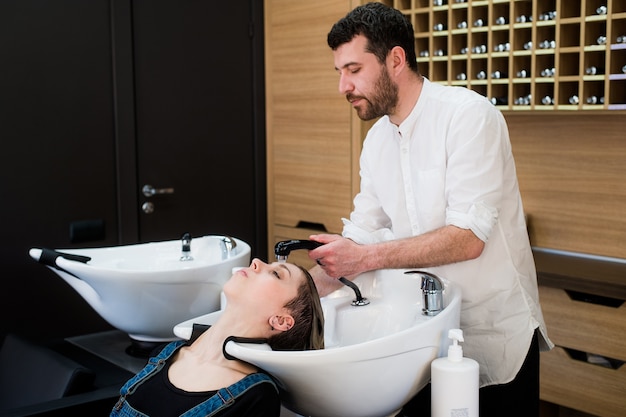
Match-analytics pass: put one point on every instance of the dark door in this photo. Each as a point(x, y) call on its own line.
point(195, 104)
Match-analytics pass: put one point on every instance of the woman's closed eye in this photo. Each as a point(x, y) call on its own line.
point(281, 271)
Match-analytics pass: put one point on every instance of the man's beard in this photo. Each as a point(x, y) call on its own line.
point(383, 101)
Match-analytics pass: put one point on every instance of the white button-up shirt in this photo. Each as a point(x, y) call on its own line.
point(450, 163)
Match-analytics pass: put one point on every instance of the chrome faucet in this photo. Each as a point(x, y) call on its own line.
point(283, 249)
point(186, 250)
point(432, 293)
point(228, 244)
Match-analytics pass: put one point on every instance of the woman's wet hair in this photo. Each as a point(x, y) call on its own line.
point(306, 310)
point(383, 26)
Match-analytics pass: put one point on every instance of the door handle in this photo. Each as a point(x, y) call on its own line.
point(150, 191)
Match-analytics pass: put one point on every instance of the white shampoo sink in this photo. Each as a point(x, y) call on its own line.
point(376, 358)
point(145, 289)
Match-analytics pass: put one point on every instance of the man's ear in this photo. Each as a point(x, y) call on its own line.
point(282, 323)
point(398, 57)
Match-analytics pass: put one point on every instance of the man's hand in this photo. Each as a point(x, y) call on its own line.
point(339, 257)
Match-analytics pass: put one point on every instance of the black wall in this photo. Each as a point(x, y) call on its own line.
point(66, 126)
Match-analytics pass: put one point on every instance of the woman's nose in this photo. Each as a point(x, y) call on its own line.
point(257, 264)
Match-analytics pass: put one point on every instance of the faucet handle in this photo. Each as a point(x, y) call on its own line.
point(186, 250)
point(186, 238)
point(432, 292)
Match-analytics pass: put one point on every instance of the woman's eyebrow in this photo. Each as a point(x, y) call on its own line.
point(285, 267)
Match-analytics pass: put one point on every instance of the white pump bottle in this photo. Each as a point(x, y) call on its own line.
point(454, 382)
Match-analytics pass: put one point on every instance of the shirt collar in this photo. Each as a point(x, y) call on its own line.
point(405, 130)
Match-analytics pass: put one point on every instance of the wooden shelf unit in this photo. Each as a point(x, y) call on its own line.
point(525, 54)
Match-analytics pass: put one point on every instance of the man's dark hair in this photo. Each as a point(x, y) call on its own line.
point(384, 28)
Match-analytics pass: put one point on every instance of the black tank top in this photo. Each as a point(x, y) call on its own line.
point(158, 397)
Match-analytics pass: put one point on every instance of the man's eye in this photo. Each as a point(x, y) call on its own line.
point(354, 71)
point(276, 273)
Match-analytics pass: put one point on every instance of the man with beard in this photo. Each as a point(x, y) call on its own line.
point(439, 191)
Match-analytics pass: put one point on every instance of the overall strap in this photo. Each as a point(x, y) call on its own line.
point(154, 364)
point(225, 397)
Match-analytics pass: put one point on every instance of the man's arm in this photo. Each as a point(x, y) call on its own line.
point(341, 257)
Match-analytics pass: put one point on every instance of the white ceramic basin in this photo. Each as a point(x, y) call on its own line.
point(145, 289)
point(377, 356)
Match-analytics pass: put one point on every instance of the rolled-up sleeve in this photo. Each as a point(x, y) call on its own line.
point(476, 158)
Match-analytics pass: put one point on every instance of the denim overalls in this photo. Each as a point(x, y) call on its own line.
point(222, 399)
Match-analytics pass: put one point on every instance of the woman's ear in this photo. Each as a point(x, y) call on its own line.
point(282, 323)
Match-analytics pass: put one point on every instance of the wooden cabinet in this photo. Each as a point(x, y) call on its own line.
point(585, 370)
point(583, 302)
point(312, 147)
point(525, 54)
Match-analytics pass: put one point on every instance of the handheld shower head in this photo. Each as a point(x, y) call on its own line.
point(284, 248)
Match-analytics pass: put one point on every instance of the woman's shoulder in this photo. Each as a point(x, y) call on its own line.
point(258, 379)
point(258, 396)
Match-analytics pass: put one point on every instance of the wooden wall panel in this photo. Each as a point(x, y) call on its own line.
point(309, 149)
point(572, 173)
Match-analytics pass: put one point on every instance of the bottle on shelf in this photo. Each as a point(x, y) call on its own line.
point(601, 40)
point(551, 15)
point(479, 23)
point(424, 53)
point(620, 39)
point(624, 69)
point(502, 47)
point(593, 70)
point(547, 44)
point(464, 50)
point(501, 20)
point(595, 100)
point(461, 76)
point(499, 101)
point(440, 2)
point(479, 49)
point(548, 72)
point(439, 52)
point(499, 74)
point(523, 100)
point(481, 75)
point(528, 45)
point(547, 100)
point(574, 99)
point(440, 27)
point(522, 73)
point(523, 19)
point(601, 10)
point(462, 25)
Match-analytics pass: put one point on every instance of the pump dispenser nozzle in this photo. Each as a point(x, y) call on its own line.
point(455, 351)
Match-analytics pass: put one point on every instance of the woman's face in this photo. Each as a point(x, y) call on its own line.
point(264, 288)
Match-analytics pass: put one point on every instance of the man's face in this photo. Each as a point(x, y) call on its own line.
point(364, 81)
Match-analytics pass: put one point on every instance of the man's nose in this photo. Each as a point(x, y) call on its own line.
point(345, 85)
